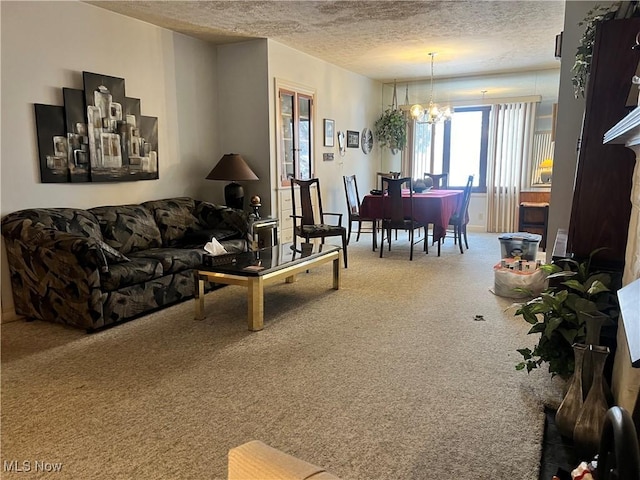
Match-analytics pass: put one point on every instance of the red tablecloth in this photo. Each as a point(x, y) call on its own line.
point(434, 206)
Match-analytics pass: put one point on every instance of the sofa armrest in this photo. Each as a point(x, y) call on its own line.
point(55, 276)
point(257, 460)
point(211, 216)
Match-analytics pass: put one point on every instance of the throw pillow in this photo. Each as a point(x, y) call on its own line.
point(111, 254)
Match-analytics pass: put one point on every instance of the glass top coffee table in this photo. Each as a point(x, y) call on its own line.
point(256, 269)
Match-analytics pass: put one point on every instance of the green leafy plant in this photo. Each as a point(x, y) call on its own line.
point(584, 54)
point(559, 314)
point(391, 130)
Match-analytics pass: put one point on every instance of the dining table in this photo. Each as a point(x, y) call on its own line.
point(431, 206)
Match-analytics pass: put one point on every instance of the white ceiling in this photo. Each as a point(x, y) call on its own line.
point(383, 39)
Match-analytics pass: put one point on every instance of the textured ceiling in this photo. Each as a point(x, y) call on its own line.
point(384, 39)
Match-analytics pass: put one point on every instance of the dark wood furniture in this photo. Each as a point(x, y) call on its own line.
point(393, 213)
point(305, 225)
point(601, 207)
point(353, 209)
point(438, 180)
point(381, 175)
point(534, 218)
point(460, 218)
point(432, 207)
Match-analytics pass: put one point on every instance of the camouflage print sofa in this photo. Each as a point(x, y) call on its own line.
point(92, 268)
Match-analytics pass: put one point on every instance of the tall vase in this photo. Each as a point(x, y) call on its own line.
point(586, 434)
point(571, 405)
point(593, 325)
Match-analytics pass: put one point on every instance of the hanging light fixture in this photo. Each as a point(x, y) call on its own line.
point(433, 113)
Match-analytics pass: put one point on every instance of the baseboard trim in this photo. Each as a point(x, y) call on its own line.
point(9, 316)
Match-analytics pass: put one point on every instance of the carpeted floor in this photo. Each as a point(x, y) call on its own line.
point(388, 378)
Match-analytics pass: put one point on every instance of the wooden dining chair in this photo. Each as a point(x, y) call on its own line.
point(381, 175)
point(393, 213)
point(459, 218)
point(353, 208)
point(438, 180)
point(305, 225)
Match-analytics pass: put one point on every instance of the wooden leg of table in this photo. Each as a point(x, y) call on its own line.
point(336, 273)
point(255, 301)
point(199, 298)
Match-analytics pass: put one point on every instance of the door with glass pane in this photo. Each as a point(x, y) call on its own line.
point(295, 142)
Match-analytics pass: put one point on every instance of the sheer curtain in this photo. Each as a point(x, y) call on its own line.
point(511, 128)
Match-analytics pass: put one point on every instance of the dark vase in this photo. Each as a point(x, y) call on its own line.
point(571, 405)
point(586, 434)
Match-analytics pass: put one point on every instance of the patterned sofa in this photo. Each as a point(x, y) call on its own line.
point(93, 268)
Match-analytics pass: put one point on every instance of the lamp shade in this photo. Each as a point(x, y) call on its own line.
point(232, 167)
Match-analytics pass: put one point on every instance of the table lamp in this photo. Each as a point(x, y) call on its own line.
point(232, 167)
point(546, 169)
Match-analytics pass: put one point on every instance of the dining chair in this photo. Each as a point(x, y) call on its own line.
point(305, 225)
point(353, 208)
point(459, 218)
point(381, 175)
point(438, 180)
point(393, 213)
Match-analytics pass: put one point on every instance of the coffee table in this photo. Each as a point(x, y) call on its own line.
point(256, 269)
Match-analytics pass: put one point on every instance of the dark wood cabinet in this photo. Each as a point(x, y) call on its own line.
point(601, 201)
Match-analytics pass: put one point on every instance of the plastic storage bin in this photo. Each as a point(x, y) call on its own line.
point(520, 245)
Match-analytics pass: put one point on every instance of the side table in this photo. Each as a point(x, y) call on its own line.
point(264, 233)
point(534, 218)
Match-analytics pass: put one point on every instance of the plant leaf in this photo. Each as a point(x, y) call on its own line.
point(552, 324)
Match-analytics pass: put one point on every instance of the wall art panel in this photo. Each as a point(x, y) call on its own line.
point(99, 133)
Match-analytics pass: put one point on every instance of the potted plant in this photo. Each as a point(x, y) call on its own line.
point(391, 130)
point(584, 54)
point(560, 315)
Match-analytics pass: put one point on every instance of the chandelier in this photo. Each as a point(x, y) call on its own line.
point(433, 113)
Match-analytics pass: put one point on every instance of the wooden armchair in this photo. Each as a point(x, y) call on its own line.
point(305, 225)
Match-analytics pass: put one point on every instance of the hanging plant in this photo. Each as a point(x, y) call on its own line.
point(391, 130)
point(584, 54)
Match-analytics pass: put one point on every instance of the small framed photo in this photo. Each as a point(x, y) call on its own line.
point(353, 139)
point(328, 132)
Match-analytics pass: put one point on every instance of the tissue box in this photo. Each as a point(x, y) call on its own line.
point(213, 260)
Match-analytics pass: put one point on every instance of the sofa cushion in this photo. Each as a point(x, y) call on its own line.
point(137, 270)
point(174, 217)
point(128, 228)
point(173, 260)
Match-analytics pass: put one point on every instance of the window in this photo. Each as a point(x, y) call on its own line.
point(458, 146)
point(295, 132)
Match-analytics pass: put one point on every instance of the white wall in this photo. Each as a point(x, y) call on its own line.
point(243, 113)
point(352, 100)
point(47, 46)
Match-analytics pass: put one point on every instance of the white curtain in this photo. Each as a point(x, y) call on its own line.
point(406, 164)
point(511, 128)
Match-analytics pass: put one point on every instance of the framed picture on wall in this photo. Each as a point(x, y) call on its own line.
point(353, 139)
point(328, 132)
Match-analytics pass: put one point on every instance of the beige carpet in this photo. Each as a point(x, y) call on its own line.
point(388, 378)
